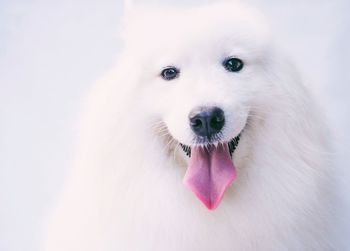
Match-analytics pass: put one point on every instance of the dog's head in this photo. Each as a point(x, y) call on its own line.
point(202, 73)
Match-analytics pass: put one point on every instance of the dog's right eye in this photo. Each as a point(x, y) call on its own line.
point(170, 73)
point(233, 64)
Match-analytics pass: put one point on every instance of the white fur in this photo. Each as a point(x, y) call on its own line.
point(125, 191)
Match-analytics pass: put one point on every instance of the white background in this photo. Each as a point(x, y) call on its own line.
point(52, 51)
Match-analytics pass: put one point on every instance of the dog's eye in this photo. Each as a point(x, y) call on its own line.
point(170, 73)
point(233, 64)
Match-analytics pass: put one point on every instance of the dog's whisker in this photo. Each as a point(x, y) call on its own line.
point(162, 131)
point(175, 150)
point(169, 144)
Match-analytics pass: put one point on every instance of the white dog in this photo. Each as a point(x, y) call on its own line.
point(202, 138)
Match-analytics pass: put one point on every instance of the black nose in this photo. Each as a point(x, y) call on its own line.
point(207, 121)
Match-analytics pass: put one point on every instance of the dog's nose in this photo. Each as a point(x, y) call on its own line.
point(207, 121)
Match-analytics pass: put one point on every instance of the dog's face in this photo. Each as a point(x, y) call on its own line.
point(202, 73)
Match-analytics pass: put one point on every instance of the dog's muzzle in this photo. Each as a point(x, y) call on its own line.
point(210, 167)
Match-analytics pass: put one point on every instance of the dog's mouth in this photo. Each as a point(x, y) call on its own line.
point(210, 170)
point(232, 145)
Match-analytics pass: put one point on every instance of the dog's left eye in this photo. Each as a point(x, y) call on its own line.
point(170, 73)
point(233, 64)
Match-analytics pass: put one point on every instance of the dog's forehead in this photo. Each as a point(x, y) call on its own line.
point(219, 25)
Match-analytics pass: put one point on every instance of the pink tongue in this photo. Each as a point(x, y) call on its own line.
point(210, 171)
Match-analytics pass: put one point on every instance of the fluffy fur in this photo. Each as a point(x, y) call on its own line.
point(125, 191)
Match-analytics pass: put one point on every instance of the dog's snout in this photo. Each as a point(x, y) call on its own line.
point(207, 121)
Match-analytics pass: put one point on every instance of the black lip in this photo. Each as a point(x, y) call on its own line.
point(186, 149)
point(232, 145)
